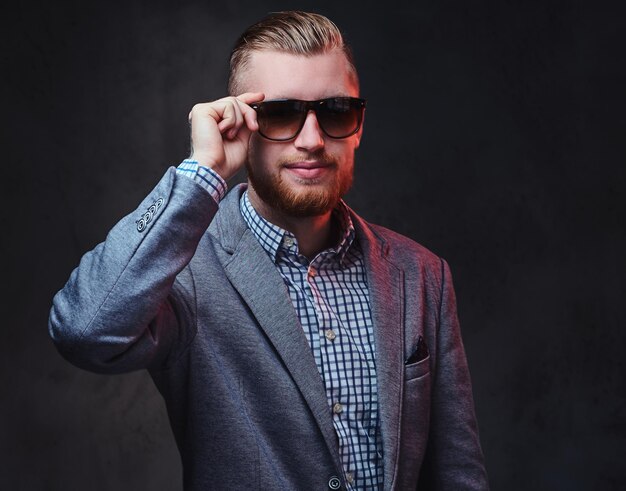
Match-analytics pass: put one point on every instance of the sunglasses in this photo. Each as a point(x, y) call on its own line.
point(282, 119)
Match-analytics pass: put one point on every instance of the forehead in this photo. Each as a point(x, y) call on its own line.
point(284, 75)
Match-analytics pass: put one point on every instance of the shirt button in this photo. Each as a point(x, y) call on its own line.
point(288, 241)
point(349, 477)
point(334, 483)
point(330, 334)
point(337, 408)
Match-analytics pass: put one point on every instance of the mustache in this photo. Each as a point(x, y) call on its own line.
point(322, 156)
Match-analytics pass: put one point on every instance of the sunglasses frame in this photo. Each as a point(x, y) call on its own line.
point(314, 106)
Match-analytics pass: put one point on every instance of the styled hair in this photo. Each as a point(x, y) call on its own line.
point(293, 32)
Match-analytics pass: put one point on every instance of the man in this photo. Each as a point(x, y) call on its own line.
point(297, 347)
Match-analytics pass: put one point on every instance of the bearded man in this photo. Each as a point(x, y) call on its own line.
point(297, 346)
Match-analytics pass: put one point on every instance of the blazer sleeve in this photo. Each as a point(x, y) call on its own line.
point(454, 460)
point(123, 307)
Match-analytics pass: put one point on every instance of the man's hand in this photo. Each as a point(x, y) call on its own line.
point(220, 131)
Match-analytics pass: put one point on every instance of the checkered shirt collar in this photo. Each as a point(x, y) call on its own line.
point(272, 237)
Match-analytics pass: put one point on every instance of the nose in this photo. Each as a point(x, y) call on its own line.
point(310, 137)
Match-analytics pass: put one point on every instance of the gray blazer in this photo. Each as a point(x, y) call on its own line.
point(187, 292)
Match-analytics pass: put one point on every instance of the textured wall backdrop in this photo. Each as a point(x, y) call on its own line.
point(494, 136)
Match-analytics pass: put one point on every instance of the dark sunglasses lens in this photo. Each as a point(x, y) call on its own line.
point(280, 120)
point(340, 117)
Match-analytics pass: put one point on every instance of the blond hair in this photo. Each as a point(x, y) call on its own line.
point(293, 32)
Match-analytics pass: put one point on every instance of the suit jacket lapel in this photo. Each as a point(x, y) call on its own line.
point(259, 283)
point(387, 302)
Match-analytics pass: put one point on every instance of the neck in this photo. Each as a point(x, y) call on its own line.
point(313, 233)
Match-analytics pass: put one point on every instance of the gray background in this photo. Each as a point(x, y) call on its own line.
point(494, 136)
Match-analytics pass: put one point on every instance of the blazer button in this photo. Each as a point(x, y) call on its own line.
point(334, 483)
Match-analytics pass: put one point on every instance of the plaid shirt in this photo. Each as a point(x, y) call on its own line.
point(331, 298)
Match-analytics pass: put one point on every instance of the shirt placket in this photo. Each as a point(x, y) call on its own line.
point(331, 355)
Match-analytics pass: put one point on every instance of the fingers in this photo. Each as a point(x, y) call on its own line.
point(231, 119)
point(250, 97)
point(249, 115)
point(220, 131)
point(230, 114)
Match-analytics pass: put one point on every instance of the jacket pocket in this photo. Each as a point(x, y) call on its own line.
point(415, 423)
point(417, 369)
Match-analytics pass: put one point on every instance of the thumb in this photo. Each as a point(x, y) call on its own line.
point(250, 97)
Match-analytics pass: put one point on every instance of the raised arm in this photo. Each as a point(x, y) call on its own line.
point(124, 307)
